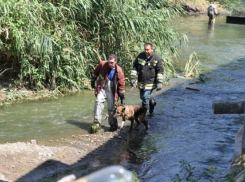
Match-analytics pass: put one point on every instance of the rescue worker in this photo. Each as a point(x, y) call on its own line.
point(212, 12)
point(148, 71)
point(110, 85)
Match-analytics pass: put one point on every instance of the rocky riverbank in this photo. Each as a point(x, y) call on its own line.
point(200, 7)
point(31, 161)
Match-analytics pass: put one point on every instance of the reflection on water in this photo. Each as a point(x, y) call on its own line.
point(217, 45)
point(51, 119)
point(44, 119)
point(184, 126)
point(211, 32)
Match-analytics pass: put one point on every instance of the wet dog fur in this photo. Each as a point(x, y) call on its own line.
point(132, 113)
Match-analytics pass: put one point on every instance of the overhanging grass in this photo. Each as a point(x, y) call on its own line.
point(56, 44)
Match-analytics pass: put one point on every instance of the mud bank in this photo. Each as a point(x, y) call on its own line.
point(200, 7)
point(30, 161)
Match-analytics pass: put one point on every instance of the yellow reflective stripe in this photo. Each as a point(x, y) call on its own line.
point(141, 61)
point(159, 77)
point(121, 91)
point(150, 86)
point(155, 63)
point(133, 73)
point(101, 77)
point(147, 86)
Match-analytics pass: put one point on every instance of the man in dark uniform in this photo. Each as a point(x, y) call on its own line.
point(148, 71)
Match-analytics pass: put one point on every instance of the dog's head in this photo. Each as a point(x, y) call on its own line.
point(119, 111)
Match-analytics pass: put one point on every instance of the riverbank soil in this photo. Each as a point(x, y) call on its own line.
point(200, 6)
point(30, 161)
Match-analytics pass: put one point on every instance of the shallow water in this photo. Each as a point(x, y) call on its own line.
point(183, 126)
point(50, 119)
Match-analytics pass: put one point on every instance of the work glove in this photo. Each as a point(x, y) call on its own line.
point(122, 98)
point(93, 79)
point(159, 86)
point(132, 82)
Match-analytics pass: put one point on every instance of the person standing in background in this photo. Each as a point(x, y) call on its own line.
point(212, 12)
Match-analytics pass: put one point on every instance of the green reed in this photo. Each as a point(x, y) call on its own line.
point(56, 44)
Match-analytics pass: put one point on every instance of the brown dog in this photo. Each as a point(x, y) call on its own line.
point(132, 112)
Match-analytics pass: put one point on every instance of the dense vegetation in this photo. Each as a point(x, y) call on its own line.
point(229, 3)
point(56, 43)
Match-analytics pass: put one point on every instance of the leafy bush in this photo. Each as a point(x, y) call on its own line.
point(230, 4)
point(56, 44)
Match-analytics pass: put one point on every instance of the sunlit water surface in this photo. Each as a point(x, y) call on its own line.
point(183, 127)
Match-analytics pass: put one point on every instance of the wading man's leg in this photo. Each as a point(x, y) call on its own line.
point(98, 109)
point(146, 101)
point(111, 109)
point(211, 18)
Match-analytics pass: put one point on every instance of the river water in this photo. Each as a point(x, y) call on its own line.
point(183, 127)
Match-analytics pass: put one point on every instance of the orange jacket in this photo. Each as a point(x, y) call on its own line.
point(102, 71)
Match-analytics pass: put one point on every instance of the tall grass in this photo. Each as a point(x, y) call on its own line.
point(56, 43)
point(192, 68)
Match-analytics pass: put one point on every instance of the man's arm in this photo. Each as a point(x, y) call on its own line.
point(95, 75)
point(215, 11)
point(97, 70)
point(159, 70)
point(121, 86)
point(121, 81)
point(159, 73)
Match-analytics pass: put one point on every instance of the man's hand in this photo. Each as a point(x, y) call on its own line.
point(132, 82)
point(93, 79)
point(122, 98)
point(159, 86)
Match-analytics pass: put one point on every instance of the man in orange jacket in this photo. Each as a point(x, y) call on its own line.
point(110, 86)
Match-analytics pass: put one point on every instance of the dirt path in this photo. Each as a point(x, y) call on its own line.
point(31, 161)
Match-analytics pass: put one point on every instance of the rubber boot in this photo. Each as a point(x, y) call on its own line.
point(114, 127)
point(95, 127)
point(152, 106)
point(112, 121)
point(146, 107)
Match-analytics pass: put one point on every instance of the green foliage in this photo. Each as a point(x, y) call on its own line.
point(236, 6)
point(230, 4)
point(56, 44)
point(135, 176)
point(186, 173)
point(192, 68)
point(236, 173)
point(229, 178)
